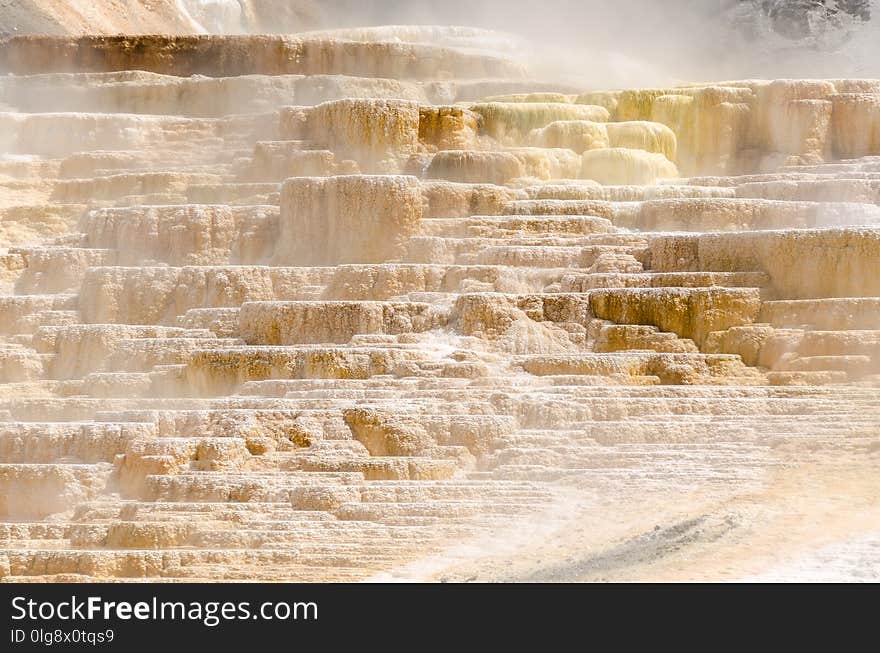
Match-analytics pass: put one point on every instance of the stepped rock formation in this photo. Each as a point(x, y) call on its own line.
point(374, 303)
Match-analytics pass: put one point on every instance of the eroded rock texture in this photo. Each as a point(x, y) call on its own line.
point(314, 307)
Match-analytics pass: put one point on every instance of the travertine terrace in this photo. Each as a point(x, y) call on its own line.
point(332, 306)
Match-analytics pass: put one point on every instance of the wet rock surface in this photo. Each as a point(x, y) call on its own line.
point(337, 306)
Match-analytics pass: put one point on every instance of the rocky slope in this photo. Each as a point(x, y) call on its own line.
point(377, 303)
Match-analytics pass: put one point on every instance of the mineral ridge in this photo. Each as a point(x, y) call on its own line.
point(376, 303)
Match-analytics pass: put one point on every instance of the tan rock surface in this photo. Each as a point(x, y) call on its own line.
point(372, 303)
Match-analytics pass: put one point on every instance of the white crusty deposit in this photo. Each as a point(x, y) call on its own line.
point(376, 303)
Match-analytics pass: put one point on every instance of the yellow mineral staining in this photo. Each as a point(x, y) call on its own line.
point(508, 122)
point(801, 263)
point(737, 127)
point(690, 313)
point(648, 136)
point(620, 165)
point(474, 166)
point(577, 135)
point(501, 167)
point(582, 135)
point(321, 306)
point(372, 132)
point(447, 127)
point(287, 323)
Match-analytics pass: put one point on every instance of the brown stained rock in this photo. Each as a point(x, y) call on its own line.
point(544, 315)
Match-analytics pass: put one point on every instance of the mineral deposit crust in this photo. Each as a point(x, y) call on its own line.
point(376, 303)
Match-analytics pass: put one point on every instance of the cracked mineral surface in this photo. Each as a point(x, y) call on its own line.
point(383, 303)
